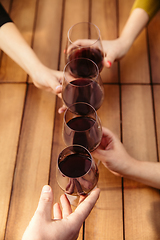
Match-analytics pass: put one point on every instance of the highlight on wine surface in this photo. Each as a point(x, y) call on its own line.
point(77, 174)
point(84, 41)
point(82, 126)
point(82, 83)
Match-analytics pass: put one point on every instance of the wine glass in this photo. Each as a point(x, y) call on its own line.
point(82, 126)
point(82, 83)
point(84, 40)
point(76, 172)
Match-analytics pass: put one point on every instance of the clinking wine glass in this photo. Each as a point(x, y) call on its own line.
point(77, 173)
point(84, 41)
point(82, 126)
point(82, 83)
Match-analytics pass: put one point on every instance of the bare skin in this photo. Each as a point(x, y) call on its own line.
point(15, 46)
point(65, 225)
point(113, 155)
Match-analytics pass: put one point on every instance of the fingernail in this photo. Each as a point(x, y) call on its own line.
point(60, 111)
point(46, 188)
point(64, 50)
point(109, 63)
point(59, 86)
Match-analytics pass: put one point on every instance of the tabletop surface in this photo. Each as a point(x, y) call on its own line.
point(30, 126)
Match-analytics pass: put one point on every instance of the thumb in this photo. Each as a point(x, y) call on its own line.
point(46, 203)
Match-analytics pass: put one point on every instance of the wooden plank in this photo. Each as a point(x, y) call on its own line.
point(106, 219)
point(6, 4)
point(11, 109)
point(104, 15)
point(10, 71)
point(156, 91)
point(134, 67)
point(47, 32)
point(139, 140)
point(141, 213)
point(138, 122)
point(81, 14)
point(33, 160)
point(154, 40)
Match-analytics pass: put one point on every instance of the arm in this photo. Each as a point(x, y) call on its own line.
point(14, 45)
point(65, 225)
point(116, 49)
point(113, 155)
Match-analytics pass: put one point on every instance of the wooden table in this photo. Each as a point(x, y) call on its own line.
point(30, 127)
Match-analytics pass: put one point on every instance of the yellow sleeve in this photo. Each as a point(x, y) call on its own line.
point(150, 6)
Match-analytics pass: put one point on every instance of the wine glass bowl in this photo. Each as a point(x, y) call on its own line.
point(82, 83)
point(82, 126)
point(84, 41)
point(76, 172)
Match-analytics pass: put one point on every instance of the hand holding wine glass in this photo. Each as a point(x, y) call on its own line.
point(77, 174)
point(84, 41)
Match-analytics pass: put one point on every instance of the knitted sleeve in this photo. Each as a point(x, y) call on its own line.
point(4, 17)
point(150, 6)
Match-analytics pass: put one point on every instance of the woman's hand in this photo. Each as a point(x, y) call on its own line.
point(65, 225)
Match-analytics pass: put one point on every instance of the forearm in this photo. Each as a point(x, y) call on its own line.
point(145, 172)
point(15, 46)
point(135, 24)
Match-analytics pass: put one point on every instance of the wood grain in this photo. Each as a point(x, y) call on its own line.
point(11, 110)
point(141, 213)
point(31, 128)
point(139, 140)
point(33, 160)
point(138, 122)
point(106, 21)
point(47, 35)
point(156, 91)
point(154, 47)
point(74, 12)
point(109, 206)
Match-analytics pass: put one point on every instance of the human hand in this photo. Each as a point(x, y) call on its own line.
point(65, 225)
point(48, 79)
point(114, 50)
point(112, 154)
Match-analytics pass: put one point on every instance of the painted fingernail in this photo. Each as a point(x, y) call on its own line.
point(46, 188)
point(109, 63)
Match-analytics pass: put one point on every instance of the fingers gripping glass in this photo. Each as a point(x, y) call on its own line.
point(77, 174)
point(84, 41)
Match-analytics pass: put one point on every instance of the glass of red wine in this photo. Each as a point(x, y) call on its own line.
point(82, 83)
point(82, 126)
point(84, 41)
point(77, 173)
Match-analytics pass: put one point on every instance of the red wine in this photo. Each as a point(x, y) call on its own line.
point(85, 132)
point(83, 90)
point(94, 54)
point(75, 165)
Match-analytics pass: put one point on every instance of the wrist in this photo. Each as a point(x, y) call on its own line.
point(33, 67)
point(125, 43)
point(132, 168)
